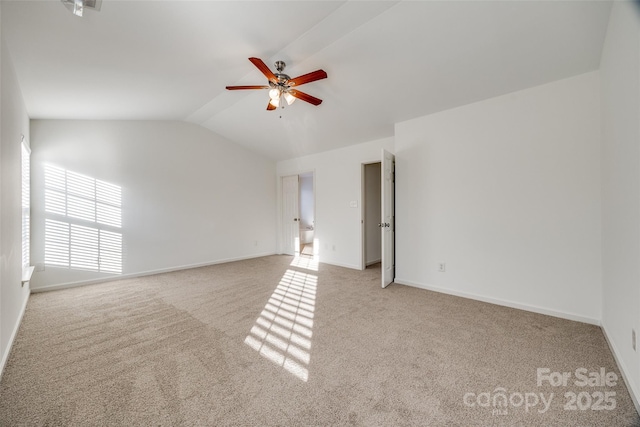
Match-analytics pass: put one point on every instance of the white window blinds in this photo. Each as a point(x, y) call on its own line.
point(26, 203)
point(84, 217)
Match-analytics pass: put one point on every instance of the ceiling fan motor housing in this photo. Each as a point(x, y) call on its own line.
point(282, 78)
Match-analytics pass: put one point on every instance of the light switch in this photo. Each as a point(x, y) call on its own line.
point(353, 203)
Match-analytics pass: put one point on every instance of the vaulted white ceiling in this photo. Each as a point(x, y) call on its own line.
point(387, 61)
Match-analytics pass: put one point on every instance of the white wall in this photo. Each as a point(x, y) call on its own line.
point(506, 192)
point(189, 197)
point(15, 122)
point(620, 75)
point(338, 175)
point(372, 213)
point(3, 351)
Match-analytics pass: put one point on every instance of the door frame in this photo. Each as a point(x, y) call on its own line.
point(279, 210)
point(363, 205)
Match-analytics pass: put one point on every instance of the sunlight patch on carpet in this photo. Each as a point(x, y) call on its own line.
point(282, 333)
point(308, 263)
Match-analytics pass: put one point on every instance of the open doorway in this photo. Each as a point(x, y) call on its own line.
point(307, 214)
point(378, 216)
point(372, 215)
point(298, 215)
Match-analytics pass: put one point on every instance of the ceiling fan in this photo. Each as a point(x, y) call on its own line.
point(282, 86)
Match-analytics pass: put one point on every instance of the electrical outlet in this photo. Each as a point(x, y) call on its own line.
point(633, 339)
point(442, 267)
point(255, 243)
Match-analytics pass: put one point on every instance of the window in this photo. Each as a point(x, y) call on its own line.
point(83, 221)
point(26, 203)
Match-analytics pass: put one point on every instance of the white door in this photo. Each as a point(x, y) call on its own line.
point(290, 220)
point(388, 225)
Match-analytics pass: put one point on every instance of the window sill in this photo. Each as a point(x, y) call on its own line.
point(26, 273)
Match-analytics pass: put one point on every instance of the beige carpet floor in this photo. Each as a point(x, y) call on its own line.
point(271, 341)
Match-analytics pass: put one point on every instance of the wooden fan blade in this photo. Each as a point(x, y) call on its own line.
point(308, 78)
point(265, 70)
point(246, 87)
point(270, 107)
point(305, 97)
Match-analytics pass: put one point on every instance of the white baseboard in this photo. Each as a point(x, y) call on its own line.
point(505, 303)
point(373, 262)
point(338, 264)
point(143, 273)
point(5, 355)
point(635, 394)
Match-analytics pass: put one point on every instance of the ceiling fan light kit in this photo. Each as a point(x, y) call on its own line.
point(281, 85)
